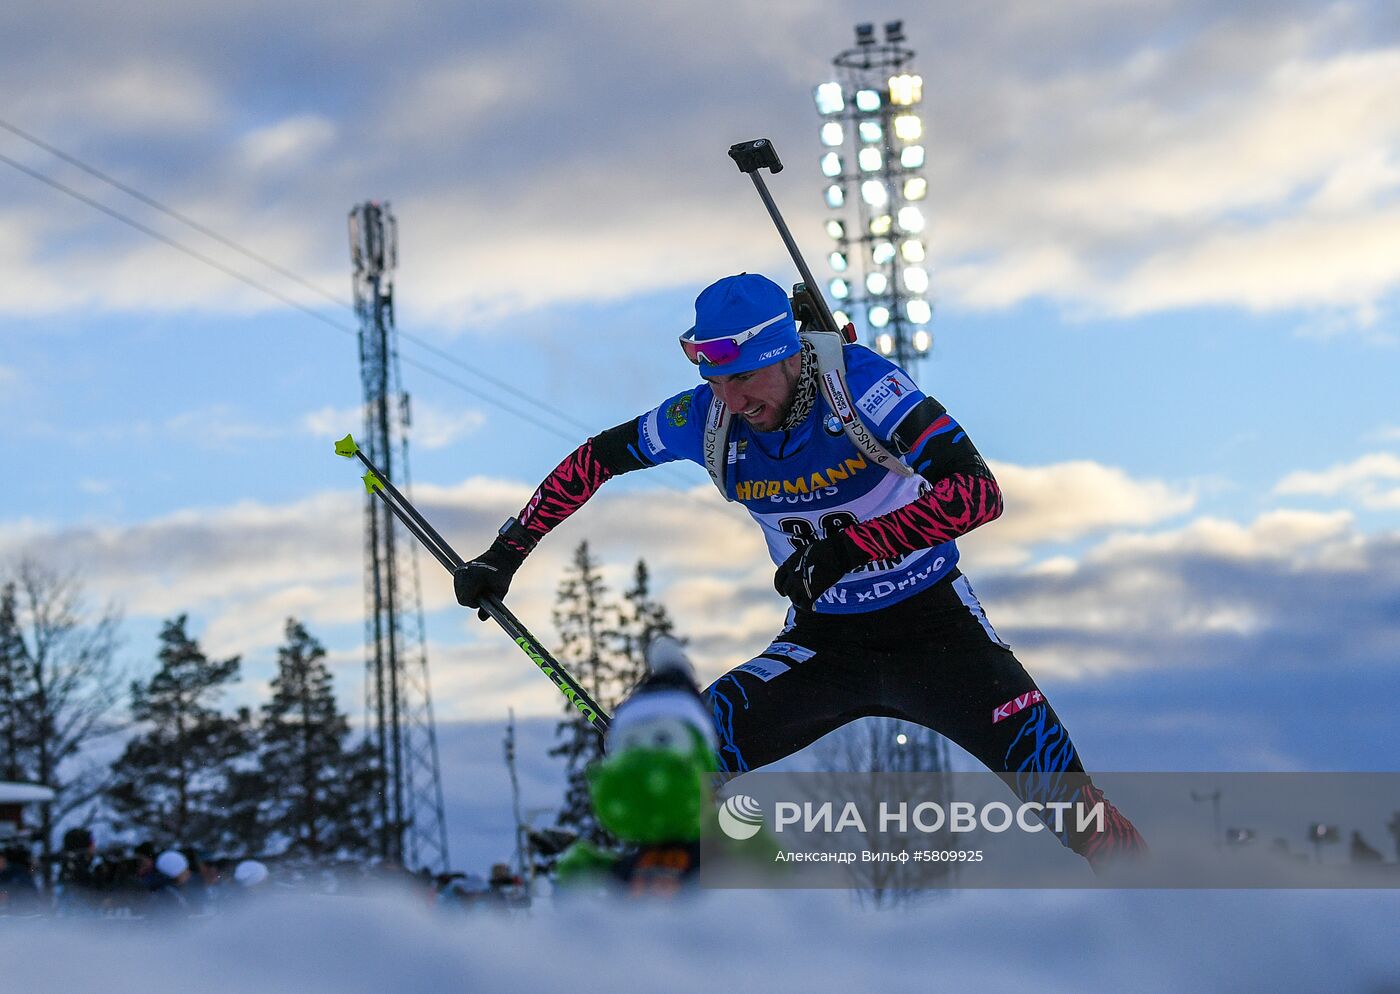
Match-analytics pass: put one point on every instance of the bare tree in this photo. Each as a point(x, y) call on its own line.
point(59, 685)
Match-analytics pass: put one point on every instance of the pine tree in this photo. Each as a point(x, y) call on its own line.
point(589, 646)
point(643, 619)
point(16, 753)
point(173, 779)
point(320, 787)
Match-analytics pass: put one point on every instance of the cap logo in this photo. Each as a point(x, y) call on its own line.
point(748, 332)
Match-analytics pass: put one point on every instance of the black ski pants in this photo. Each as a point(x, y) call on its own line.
point(932, 659)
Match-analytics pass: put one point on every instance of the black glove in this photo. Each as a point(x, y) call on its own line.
point(805, 575)
point(492, 571)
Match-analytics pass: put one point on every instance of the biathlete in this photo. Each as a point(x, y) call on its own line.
point(861, 484)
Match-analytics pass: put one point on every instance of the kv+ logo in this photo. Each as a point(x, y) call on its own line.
point(740, 817)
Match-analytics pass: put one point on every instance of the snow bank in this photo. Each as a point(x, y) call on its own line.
point(814, 941)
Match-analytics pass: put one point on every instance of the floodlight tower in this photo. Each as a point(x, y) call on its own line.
point(874, 156)
point(410, 827)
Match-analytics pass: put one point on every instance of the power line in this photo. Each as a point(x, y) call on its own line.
point(278, 295)
point(185, 219)
point(248, 254)
point(178, 246)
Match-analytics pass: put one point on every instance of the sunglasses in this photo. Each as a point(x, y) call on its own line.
point(721, 351)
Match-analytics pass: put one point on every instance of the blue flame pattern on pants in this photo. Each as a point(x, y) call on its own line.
point(722, 707)
point(934, 660)
point(1043, 759)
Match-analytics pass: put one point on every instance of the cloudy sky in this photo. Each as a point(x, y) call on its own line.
point(1165, 247)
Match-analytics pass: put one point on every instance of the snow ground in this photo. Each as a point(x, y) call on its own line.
point(814, 941)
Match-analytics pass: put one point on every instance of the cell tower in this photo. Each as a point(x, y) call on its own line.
point(874, 156)
point(410, 827)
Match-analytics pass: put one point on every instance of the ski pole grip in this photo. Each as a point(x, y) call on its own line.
point(751, 156)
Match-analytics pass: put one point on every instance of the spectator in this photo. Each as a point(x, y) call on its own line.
point(79, 890)
point(145, 854)
point(19, 891)
point(506, 889)
point(196, 886)
point(250, 874)
point(172, 872)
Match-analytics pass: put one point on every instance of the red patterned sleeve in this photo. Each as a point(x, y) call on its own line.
point(954, 506)
point(563, 492)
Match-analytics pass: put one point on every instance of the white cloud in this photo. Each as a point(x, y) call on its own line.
point(1178, 155)
point(136, 93)
point(216, 426)
point(288, 143)
point(432, 427)
point(469, 92)
point(436, 429)
point(1296, 262)
point(1357, 182)
point(1372, 482)
point(1136, 599)
point(1068, 501)
point(241, 570)
point(333, 422)
point(1283, 591)
point(1279, 536)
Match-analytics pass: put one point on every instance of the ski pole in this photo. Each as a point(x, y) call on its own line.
point(378, 484)
point(750, 157)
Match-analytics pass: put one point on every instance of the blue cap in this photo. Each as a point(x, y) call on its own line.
point(740, 303)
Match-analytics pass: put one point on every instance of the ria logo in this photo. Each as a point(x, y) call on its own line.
point(740, 817)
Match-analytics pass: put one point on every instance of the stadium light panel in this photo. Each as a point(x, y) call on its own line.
point(875, 193)
point(911, 219)
point(829, 99)
point(908, 127)
point(906, 90)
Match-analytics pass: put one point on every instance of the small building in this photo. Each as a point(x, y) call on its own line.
point(15, 799)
